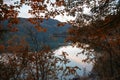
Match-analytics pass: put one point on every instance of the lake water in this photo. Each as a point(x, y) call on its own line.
point(75, 60)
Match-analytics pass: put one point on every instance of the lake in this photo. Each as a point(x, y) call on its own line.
point(75, 60)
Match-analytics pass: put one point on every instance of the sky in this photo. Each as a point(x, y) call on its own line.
point(24, 11)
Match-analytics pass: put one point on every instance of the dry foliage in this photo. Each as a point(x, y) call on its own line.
point(101, 31)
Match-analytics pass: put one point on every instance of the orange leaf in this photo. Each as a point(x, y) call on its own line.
point(14, 29)
point(2, 48)
point(61, 24)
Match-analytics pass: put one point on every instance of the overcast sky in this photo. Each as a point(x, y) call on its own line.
point(24, 11)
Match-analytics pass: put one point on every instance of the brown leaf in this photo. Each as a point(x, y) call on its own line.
point(61, 24)
point(14, 29)
point(2, 48)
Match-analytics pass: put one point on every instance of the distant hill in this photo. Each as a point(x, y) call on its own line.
point(53, 37)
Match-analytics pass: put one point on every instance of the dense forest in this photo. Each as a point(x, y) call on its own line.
point(27, 44)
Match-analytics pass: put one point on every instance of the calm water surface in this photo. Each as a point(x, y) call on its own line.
point(75, 60)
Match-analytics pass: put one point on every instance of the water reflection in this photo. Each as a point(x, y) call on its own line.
point(75, 60)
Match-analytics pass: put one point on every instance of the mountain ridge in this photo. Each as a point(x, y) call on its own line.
point(25, 28)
